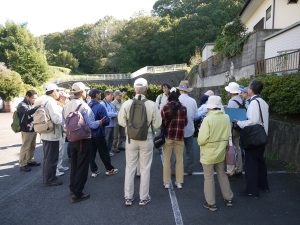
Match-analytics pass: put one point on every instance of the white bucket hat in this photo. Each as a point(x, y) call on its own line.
point(214, 101)
point(233, 88)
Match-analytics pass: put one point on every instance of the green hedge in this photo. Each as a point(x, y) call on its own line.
point(152, 92)
point(282, 92)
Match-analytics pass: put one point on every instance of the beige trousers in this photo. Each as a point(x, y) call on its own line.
point(27, 148)
point(138, 152)
point(169, 147)
point(209, 182)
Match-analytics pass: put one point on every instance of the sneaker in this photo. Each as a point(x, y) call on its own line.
point(58, 173)
point(25, 169)
point(167, 186)
point(54, 183)
point(64, 168)
point(33, 164)
point(212, 208)
point(128, 201)
point(228, 203)
point(95, 174)
point(111, 172)
point(178, 185)
point(145, 201)
point(111, 154)
point(75, 199)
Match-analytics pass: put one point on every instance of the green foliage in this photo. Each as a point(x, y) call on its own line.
point(280, 92)
point(23, 53)
point(152, 92)
point(231, 41)
point(11, 84)
point(63, 59)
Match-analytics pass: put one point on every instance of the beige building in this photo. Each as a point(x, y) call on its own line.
point(270, 14)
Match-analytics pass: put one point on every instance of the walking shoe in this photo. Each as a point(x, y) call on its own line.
point(145, 201)
point(178, 185)
point(95, 174)
point(167, 186)
point(64, 168)
point(54, 183)
point(111, 154)
point(25, 169)
point(75, 199)
point(228, 203)
point(58, 173)
point(111, 172)
point(33, 164)
point(128, 201)
point(212, 208)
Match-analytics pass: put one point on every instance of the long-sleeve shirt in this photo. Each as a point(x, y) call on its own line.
point(111, 112)
point(25, 112)
point(99, 112)
point(253, 114)
point(232, 102)
point(174, 127)
point(201, 112)
point(191, 107)
point(161, 101)
point(84, 109)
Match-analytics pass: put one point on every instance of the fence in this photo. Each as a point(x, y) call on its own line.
point(285, 63)
point(159, 69)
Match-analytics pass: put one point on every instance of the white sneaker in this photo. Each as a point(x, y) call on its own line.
point(95, 174)
point(64, 168)
point(58, 173)
point(167, 186)
point(178, 185)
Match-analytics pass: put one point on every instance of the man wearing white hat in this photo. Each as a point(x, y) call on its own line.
point(189, 129)
point(80, 150)
point(235, 101)
point(51, 139)
point(139, 151)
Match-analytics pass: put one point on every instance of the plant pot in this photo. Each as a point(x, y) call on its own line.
point(8, 106)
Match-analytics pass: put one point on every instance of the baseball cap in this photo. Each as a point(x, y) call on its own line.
point(78, 87)
point(94, 92)
point(140, 82)
point(52, 87)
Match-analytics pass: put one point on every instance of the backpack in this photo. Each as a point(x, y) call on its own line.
point(41, 120)
point(137, 124)
point(241, 106)
point(76, 126)
point(16, 123)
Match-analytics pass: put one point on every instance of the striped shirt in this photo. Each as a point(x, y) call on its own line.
point(175, 126)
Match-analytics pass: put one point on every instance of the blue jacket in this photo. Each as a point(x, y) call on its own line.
point(99, 112)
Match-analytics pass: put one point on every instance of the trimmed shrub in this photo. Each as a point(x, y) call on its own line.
point(11, 84)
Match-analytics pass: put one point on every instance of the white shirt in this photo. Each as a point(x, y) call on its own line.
point(191, 107)
point(253, 114)
point(161, 101)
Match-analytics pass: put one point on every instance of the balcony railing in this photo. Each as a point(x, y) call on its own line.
point(286, 63)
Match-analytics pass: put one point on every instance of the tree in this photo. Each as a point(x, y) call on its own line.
point(63, 59)
point(23, 53)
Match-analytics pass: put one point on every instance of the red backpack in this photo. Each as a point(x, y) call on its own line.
point(76, 126)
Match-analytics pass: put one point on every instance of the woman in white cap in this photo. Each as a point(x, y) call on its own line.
point(213, 138)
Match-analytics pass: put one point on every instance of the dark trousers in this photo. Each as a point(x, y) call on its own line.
point(99, 143)
point(80, 153)
point(255, 170)
point(51, 149)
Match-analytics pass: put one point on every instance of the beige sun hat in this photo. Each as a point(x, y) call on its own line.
point(184, 86)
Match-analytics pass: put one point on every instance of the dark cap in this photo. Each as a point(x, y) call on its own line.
point(94, 92)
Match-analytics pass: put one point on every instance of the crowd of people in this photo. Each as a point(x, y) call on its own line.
point(109, 128)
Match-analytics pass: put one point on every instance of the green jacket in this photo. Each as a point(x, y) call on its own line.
point(213, 137)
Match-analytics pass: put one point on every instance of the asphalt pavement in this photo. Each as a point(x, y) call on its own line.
point(25, 201)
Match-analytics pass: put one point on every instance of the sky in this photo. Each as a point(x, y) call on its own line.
point(48, 16)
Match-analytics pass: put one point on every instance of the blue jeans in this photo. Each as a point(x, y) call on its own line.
point(189, 154)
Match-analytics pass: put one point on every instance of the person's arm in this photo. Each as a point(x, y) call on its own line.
point(156, 118)
point(55, 112)
point(103, 117)
point(252, 115)
point(203, 135)
point(89, 118)
point(122, 116)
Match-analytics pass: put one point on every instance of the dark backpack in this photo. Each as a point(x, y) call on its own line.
point(16, 123)
point(241, 106)
point(137, 123)
point(76, 126)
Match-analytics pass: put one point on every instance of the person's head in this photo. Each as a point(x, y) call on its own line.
point(255, 88)
point(63, 97)
point(52, 90)
point(173, 96)
point(233, 89)
point(124, 91)
point(109, 95)
point(95, 94)
point(79, 90)
point(140, 86)
point(165, 88)
point(184, 87)
point(118, 95)
point(214, 102)
point(31, 96)
point(244, 92)
point(203, 99)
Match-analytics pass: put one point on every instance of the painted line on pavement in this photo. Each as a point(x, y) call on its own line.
point(175, 206)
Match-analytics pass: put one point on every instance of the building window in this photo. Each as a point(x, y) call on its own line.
point(268, 13)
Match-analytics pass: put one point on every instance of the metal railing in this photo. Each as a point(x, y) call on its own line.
point(286, 63)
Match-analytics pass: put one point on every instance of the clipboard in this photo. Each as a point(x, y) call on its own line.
point(236, 114)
